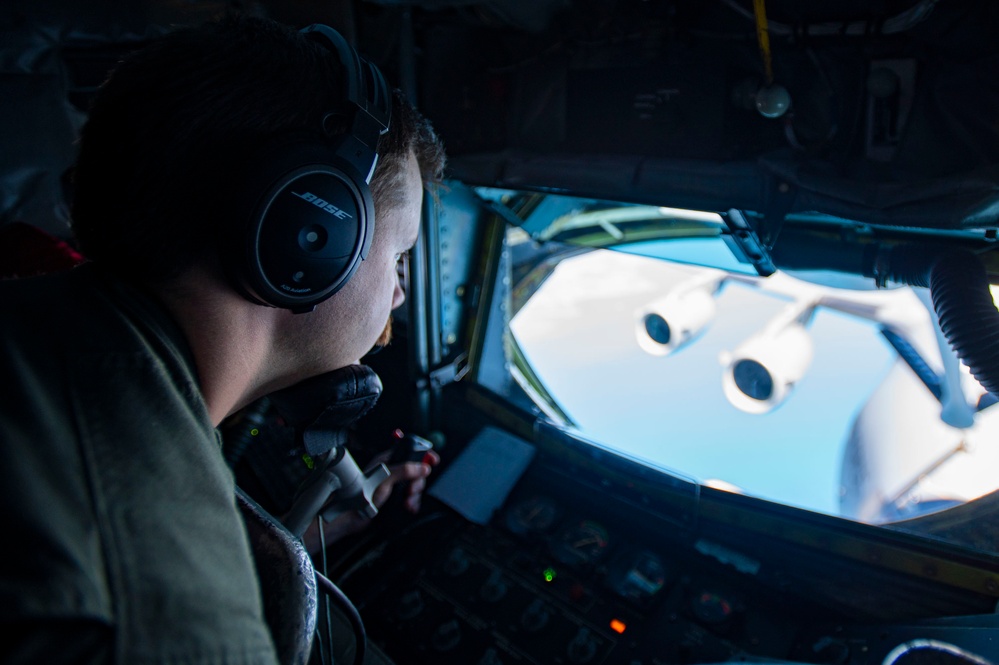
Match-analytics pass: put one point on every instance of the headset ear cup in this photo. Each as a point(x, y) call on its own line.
point(307, 229)
point(300, 222)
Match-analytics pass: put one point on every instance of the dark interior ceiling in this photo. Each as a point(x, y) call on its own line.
point(894, 115)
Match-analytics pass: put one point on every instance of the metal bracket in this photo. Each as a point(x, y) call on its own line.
point(451, 373)
point(504, 213)
point(746, 245)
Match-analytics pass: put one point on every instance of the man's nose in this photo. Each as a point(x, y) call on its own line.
point(398, 295)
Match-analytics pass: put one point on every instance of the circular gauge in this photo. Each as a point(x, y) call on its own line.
point(534, 515)
point(638, 577)
point(712, 608)
point(582, 543)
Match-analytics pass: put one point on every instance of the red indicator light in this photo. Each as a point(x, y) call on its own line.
point(618, 626)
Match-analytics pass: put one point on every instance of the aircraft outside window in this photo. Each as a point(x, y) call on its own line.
point(636, 327)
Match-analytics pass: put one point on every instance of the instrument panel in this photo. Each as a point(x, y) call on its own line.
point(571, 570)
point(563, 577)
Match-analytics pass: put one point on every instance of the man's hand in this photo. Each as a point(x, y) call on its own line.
point(415, 473)
point(412, 474)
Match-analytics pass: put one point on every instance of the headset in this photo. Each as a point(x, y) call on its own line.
point(311, 217)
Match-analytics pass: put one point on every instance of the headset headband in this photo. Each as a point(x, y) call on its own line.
point(368, 100)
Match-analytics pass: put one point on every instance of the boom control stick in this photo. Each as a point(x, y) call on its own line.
point(410, 448)
point(341, 480)
point(321, 410)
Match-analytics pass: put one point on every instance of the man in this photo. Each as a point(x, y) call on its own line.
point(123, 539)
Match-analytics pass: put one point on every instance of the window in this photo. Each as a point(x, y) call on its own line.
point(636, 327)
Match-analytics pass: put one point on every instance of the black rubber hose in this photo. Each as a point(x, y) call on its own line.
point(959, 287)
point(340, 599)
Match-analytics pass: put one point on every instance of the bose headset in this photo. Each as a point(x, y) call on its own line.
point(313, 221)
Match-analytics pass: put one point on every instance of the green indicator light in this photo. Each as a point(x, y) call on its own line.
point(308, 461)
point(549, 574)
point(254, 432)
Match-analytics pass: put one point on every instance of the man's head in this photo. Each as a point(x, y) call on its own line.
point(346, 326)
point(183, 125)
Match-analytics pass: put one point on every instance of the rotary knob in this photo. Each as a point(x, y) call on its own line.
point(583, 647)
point(410, 605)
point(494, 588)
point(447, 636)
point(535, 617)
point(490, 657)
point(457, 562)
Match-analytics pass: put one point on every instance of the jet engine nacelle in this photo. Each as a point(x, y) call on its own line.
point(761, 373)
point(667, 324)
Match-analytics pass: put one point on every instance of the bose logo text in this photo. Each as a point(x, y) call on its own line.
point(322, 204)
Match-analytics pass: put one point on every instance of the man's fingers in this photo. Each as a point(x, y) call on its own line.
point(408, 471)
point(417, 486)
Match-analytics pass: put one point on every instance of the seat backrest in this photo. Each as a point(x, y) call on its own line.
point(287, 582)
point(27, 251)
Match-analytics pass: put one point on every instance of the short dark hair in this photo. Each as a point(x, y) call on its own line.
point(180, 115)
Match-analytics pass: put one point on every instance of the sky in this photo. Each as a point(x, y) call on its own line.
point(578, 332)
